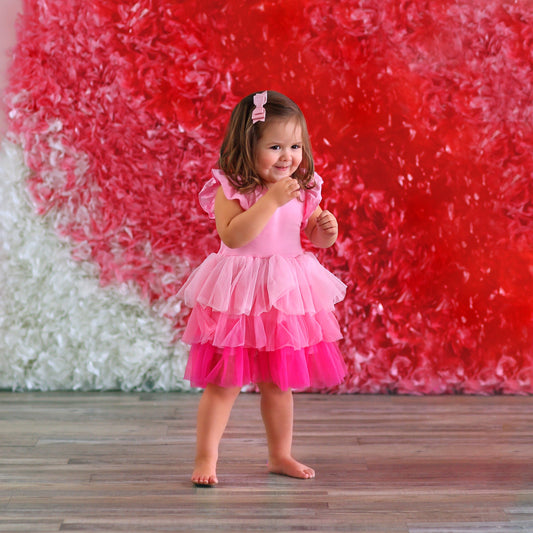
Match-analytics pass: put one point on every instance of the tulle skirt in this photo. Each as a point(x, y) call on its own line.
point(263, 319)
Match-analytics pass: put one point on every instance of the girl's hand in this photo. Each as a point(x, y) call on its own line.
point(327, 224)
point(322, 228)
point(283, 191)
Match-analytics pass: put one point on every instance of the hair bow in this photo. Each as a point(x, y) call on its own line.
point(259, 113)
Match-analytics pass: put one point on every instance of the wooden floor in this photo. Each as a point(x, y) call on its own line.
point(121, 462)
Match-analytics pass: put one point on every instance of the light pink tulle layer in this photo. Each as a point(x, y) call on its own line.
point(252, 285)
point(319, 366)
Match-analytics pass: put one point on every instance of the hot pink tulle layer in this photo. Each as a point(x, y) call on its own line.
point(318, 366)
point(269, 331)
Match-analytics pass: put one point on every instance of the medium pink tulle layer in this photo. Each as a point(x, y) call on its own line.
point(319, 366)
point(252, 285)
point(268, 331)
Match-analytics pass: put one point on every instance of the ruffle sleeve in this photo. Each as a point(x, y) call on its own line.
point(209, 190)
point(312, 199)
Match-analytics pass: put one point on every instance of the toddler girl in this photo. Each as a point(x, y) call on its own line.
point(262, 308)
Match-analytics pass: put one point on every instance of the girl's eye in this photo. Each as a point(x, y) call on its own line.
point(293, 147)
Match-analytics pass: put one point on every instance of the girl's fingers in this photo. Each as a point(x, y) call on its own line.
point(326, 218)
point(284, 190)
point(327, 222)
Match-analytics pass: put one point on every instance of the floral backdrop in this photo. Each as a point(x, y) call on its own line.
point(421, 120)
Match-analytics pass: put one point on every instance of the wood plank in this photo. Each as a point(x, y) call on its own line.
point(392, 464)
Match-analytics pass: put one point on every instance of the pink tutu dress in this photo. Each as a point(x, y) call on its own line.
point(263, 312)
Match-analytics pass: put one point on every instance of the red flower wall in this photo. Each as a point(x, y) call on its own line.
point(420, 115)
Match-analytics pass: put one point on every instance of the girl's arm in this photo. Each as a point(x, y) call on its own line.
point(237, 227)
point(322, 228)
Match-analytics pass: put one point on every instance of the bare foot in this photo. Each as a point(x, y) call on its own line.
point(287, 466)
point(204, 474)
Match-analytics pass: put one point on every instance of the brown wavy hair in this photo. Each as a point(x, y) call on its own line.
point(237, 153)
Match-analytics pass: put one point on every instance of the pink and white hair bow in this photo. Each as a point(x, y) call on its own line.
point(259, 113)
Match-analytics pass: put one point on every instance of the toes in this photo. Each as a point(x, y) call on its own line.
point(204, 481)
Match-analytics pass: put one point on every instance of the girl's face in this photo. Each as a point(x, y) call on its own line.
point(278, 153)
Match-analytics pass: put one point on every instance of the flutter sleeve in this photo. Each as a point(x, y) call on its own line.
point(209, 191)
point(312, 199)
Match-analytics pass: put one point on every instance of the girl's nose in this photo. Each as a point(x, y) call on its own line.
point(285, 154)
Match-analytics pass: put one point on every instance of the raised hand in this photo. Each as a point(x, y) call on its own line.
point(284, 190)
point(327, 223)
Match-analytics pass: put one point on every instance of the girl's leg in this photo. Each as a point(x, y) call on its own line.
point(277, 413)
point(213, 415)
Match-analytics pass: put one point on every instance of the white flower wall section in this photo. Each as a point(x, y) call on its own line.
point(59, 329)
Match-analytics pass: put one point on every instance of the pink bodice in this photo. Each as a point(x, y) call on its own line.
point(281, 235)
